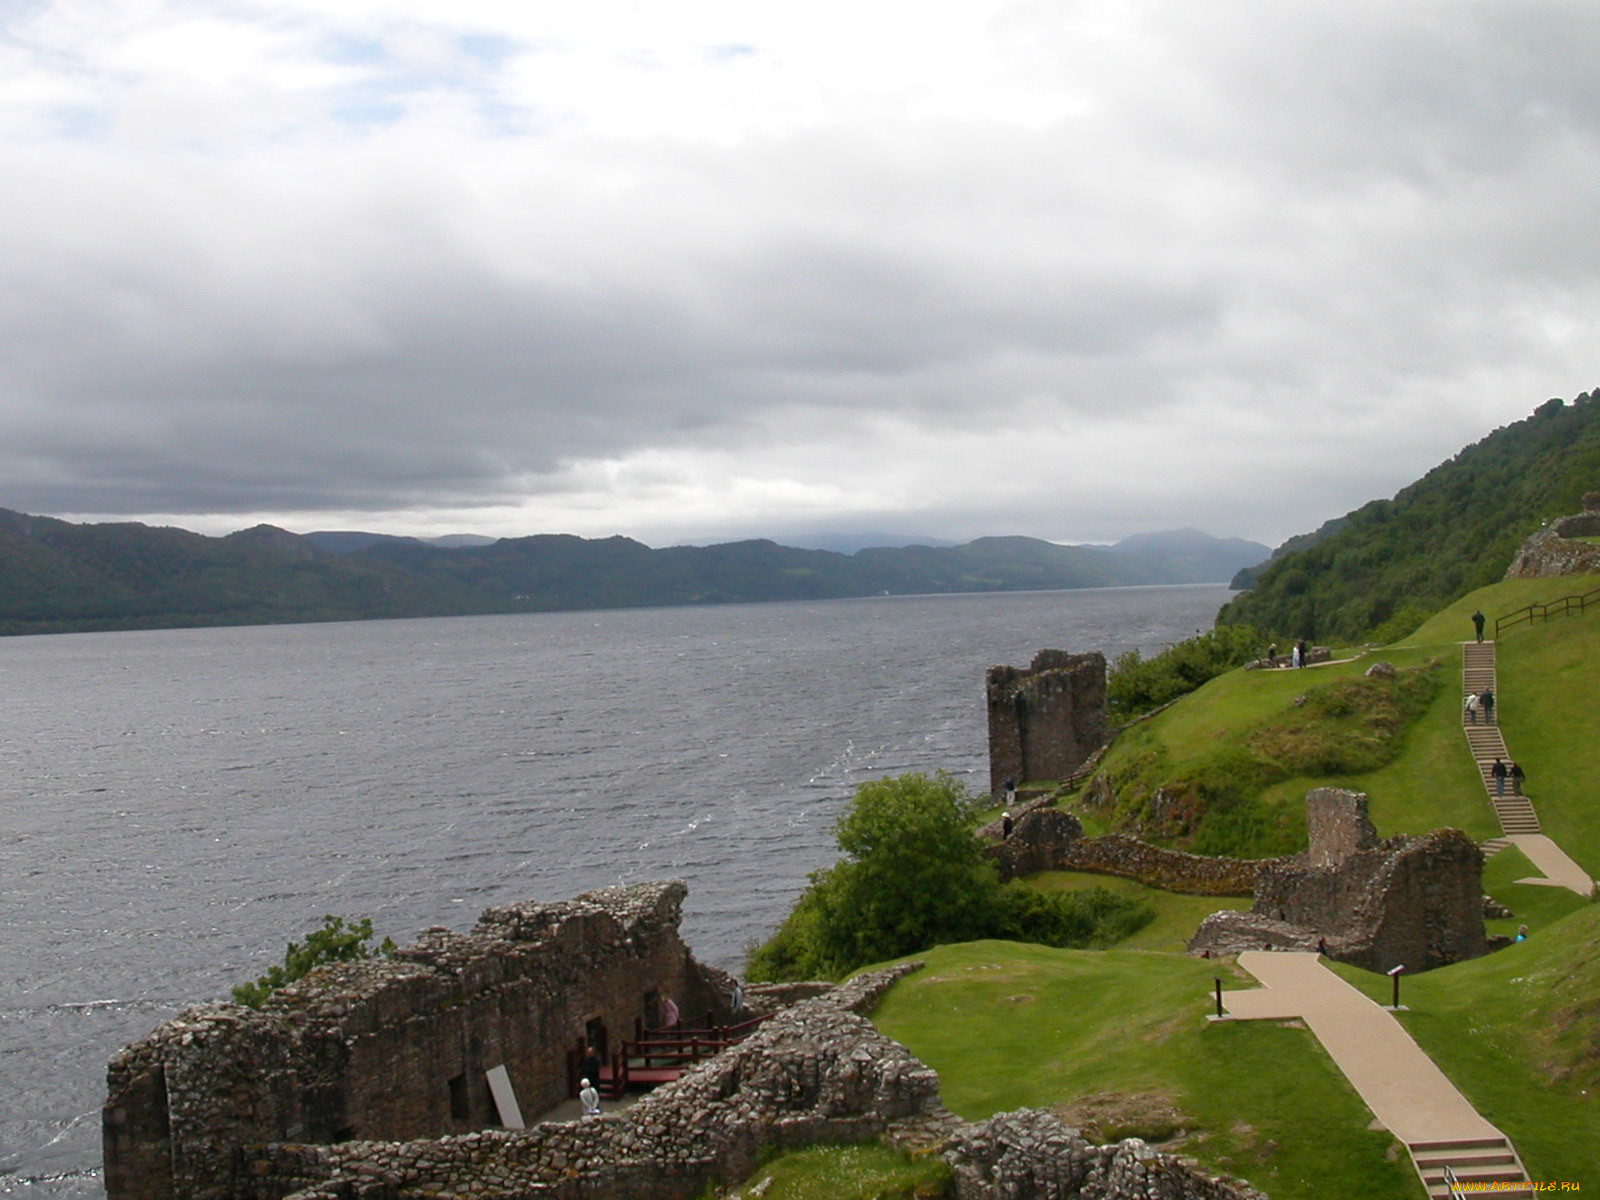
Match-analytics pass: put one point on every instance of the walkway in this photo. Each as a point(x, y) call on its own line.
point(1406, 1092)
point(1518, 821)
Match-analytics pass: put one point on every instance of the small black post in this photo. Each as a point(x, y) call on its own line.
point(1394, 974)
point(1218, 982)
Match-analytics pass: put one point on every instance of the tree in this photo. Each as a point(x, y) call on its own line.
point(917, 877)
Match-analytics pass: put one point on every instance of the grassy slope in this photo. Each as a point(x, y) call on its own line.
point(1008, 1026)
point(1518, 1031)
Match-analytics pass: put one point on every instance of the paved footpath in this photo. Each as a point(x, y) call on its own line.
point(1407, 1093)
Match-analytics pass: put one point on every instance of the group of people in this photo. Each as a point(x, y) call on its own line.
point(1299, 656)
point(1480, 702)
point(1502, 771)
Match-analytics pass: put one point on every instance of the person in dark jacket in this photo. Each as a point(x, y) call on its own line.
point(1486, 702)
point(1477, 624)
point(1498, 774)
point(1517, 776)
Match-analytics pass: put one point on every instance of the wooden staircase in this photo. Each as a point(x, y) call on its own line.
point(1489, 1165)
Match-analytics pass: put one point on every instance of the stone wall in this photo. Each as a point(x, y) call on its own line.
point(1032, 1155)
point(814, 1073)
point(1046, 839)
point(818, 1072)
point(397, 1048)
point(1046, 719)
point(1412, 901)
point(1337, 826)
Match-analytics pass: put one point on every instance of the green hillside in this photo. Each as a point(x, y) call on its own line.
point(1116, 1040)
point(1391, 562)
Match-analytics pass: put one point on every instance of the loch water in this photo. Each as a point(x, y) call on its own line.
point(176, 805)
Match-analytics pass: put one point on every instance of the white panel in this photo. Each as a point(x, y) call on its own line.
point(505, 1097)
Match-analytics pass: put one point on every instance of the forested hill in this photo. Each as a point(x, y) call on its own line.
point(1391, 563)
point(56, 576)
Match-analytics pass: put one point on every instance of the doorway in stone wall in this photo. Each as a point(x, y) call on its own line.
point(594, 1034)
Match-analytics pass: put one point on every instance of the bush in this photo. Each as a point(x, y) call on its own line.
point(335, 942)
point(1137, 684)
point(917, 877)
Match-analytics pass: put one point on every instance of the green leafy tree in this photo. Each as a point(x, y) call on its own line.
point(916, 876)
point(335, 942)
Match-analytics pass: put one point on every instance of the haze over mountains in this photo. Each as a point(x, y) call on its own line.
point(56, 576)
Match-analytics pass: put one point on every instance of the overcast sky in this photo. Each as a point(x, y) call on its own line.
point(1068, 268)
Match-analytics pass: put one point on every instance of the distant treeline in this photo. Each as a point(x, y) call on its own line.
point(1384, 568)
point(56, 576)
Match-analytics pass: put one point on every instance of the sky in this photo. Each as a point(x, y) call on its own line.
point(1074, 269)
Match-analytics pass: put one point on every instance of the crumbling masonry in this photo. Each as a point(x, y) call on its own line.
point(1415, 902)
point(1047, 719)
point(304, 1100)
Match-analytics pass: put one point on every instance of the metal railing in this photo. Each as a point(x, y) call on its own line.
point(1565, 607)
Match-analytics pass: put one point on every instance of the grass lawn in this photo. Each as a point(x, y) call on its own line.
point(1176, 917)
point(1010, 1026)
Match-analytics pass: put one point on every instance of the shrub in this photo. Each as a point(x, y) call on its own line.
point(1137, 684)
point(335, 942)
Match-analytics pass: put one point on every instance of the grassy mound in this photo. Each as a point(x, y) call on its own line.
point(1234, 760)
point(1199, 776)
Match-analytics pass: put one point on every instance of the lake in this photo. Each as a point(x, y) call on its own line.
point(176, 805)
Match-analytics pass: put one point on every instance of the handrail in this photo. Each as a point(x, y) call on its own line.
point(1563, 607)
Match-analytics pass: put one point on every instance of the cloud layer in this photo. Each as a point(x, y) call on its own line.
point(1072, 270)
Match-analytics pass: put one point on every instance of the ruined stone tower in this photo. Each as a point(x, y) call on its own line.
point(1046, 719)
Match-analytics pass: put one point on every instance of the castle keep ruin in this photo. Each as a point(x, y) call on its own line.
point(1045, 720)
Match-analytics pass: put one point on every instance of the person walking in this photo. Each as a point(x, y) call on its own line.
point(1471, 707)
point(1517, 776)
point(1486, 702)
point(1498, 774)
point(1477, 624)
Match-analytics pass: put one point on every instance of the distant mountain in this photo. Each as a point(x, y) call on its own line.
point(1189, 556)
point(57, 576)
point(349, 542)
point(849, 543)
point(1393, 562)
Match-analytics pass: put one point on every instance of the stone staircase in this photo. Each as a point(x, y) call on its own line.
point(1516, 813)
point(1489, 1165)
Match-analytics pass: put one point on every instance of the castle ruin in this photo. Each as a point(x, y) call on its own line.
point(1045, 720)
point(398, 1048)
point(341, 1086)
point(1415, 902)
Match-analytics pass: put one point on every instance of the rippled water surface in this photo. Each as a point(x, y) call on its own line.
point(176, 805)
